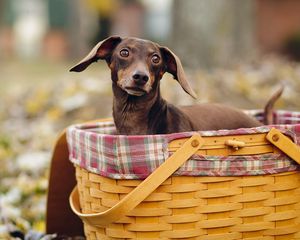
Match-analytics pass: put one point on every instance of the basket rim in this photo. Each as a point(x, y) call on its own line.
point(281, 116)
point(135, 157)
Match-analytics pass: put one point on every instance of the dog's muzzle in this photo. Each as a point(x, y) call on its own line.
point(135, 91)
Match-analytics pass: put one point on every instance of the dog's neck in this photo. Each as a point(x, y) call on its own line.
point(132, 114)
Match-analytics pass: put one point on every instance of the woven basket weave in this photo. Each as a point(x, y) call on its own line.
point(195, 207)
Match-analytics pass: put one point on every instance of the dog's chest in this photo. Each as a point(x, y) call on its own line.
point(130, 123)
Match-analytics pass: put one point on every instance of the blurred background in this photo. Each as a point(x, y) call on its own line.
point(234, 52)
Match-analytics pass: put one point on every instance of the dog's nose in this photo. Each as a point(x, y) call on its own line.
point(140, 78)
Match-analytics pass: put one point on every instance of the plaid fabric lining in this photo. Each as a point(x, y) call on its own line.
point(95, 148)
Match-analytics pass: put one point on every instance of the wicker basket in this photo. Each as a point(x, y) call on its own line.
point(164, 206)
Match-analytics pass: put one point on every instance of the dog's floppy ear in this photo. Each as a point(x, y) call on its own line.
point(174, 66)
point(102, 50)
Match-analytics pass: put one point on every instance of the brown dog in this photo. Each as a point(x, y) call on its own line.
point(136, 69)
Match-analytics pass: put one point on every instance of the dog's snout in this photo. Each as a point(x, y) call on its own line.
point(140, 77)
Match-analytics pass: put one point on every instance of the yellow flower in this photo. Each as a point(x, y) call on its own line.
point(37, 102)
point(39, 226)
point(54, 114)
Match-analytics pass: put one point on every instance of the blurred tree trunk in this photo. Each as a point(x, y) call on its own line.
point(81, 28)
point(75, 30)
point(209, 33)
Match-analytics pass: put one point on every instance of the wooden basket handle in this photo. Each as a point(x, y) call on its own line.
point(285, 144)
point(143, 190)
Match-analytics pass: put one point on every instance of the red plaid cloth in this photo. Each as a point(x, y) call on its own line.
point(96, 148)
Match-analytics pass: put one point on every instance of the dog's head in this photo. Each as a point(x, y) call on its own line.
point(136, 64)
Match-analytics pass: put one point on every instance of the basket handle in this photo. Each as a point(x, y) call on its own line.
point(143, 190)
point(285, 144)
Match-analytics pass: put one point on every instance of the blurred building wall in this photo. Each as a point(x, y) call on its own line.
point(50, 29)
point(24, 25)
point(204, 33)
point(277, 22)
point(211, 33)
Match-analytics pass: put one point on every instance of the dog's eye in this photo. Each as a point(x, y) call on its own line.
point(155, 59)
point(124, 53)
